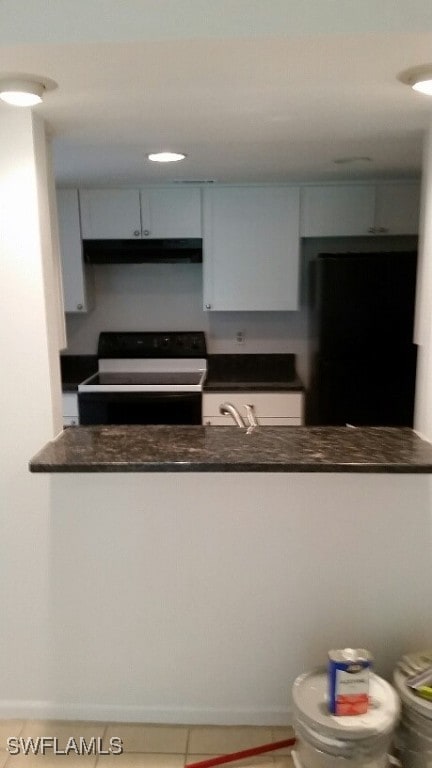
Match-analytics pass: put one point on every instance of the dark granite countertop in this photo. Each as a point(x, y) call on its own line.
point(226, 373)
point(249, 372)
point(230, 449)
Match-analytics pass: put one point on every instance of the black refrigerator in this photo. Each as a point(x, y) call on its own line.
point(364, 358)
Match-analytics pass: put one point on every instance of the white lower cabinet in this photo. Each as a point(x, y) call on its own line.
point(269, 408)
point(70, 409)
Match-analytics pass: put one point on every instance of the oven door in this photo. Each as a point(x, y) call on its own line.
point(139, 407)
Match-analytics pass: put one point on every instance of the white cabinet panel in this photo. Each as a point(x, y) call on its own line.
point(226, 421)
point(270, 408)
point(70, 409)
point(167, 213)
point(110, 214)
point(397, 209)
point(125, 214)
point(337, 211)
point(251, 240)
point(77, 276)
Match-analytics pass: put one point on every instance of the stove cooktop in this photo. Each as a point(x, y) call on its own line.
point(148, 377)
point(149, 362)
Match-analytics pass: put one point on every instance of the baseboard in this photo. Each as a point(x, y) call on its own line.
point(40, 710)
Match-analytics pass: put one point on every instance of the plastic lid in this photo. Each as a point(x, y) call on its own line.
point(410, 699)
point(310, 696)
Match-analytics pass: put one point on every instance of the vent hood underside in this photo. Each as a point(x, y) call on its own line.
point(174, 251)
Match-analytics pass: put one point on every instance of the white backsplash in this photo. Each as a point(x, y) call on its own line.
point(139, 297)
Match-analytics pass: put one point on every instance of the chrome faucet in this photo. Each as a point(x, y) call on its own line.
point(228, 409)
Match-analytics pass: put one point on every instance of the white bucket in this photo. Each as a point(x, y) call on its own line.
point(329, 741)
point(414, 736)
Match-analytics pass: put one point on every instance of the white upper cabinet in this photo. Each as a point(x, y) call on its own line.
point(77, 277)
point(335, 211)
point(251, 241)
point(110, 214)
point(125, 214)
point(360, 209)
point(397, 208)
point(171, 213)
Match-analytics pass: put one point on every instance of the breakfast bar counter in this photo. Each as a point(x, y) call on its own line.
point(230, 449)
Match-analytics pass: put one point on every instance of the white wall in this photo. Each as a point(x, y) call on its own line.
point(200, 597)
point(423, 329)
point(169, 297)
point(30, 398)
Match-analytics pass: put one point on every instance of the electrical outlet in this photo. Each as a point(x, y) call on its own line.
point(240, 337)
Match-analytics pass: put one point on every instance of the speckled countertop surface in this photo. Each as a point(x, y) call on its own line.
point(226, 373)
point(230, 449)
point(257, 373)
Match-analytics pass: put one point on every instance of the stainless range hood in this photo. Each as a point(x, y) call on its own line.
point(171, 251)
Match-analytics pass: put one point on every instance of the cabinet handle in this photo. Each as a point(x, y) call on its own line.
point(79, 306)
point(146, 232)
point(137, 232)
point(208, 306)
point(378, 230)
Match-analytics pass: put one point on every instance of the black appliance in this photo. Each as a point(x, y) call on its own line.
point(145, 378)
point(364, 362)
point(168, 251)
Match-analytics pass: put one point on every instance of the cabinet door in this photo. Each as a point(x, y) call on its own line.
point(70, 409)
point(267, 405)
point(251, 248)
point(110, 214)
point(397, 208)
point(226, 421)
point(335, 211)
point(77, 277)
point(172, 213)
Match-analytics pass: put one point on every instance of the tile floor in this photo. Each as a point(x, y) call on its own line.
point(145, 746)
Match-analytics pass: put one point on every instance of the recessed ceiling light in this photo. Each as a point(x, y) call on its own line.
point(419, 78)
point(24, 89)
point(166, 157)
point(21, 93)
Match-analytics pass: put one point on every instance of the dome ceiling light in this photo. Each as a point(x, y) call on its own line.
point(166, 157)
point(419, 78)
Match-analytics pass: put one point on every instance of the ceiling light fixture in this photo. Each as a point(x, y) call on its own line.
point(21, 93)
point(419, 78)
point(166, 157)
